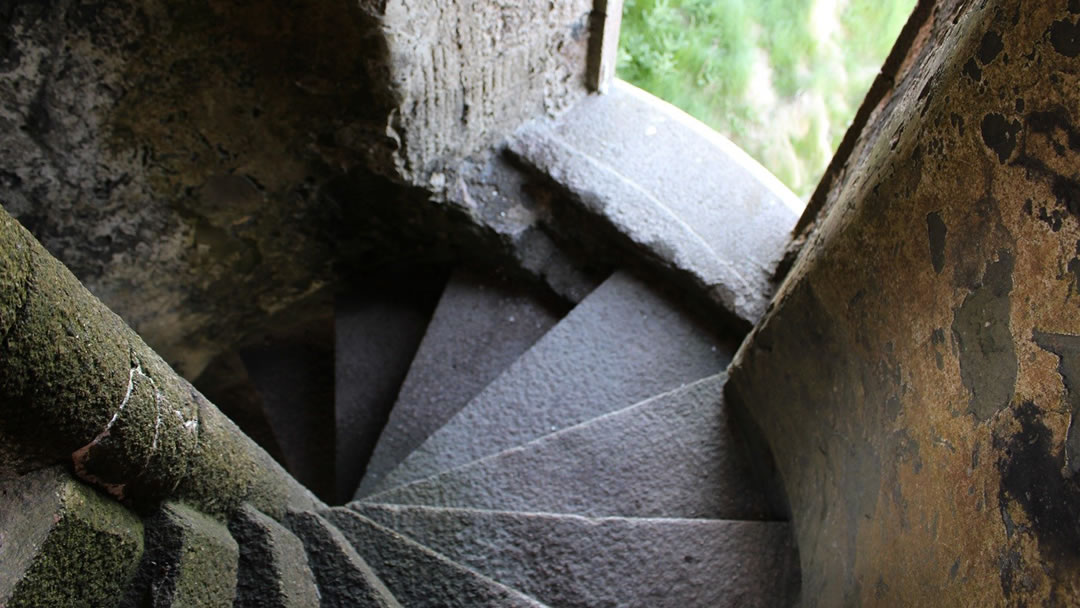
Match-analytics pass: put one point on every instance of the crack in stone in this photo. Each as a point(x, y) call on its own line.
point(80, 456)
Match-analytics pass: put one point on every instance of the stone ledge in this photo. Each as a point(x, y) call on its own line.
point(675, 188)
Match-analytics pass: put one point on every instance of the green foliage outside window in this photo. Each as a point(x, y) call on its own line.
point(781, 78)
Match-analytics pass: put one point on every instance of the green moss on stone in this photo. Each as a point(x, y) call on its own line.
point(14, 271)
point(76, 383)
point(85, 547)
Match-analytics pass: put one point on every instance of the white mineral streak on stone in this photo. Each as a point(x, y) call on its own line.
point(79, 456)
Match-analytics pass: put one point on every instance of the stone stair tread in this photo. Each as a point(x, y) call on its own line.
point(571, 561)
point(344, 578)
point(674, 455)
point(419, 576)
point(480, 326)
point(293, 382)
point(712, 211)
point(377, 331)
point(624, 343)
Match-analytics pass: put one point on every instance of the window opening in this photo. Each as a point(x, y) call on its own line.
point(781, 78)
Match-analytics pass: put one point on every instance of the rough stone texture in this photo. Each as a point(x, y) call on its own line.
point(420, 577)
point(675, 455)
point(228, 469)
point(378, 327)
point(624, 343)
point(62, 544)
point(713, 213)
point(920, 37)
point(77, 383)
point(464, 73)
point(569, 561)
point(345, 580)
point(479, 328)
point(915, 378)
point(295, 384)
point(273, 570)
point(494, 190)
point(190, 560)
point(173, 152)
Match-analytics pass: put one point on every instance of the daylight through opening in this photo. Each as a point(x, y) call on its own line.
point(782, 79)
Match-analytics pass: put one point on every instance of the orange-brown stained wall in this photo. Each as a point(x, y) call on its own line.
point(918, 374)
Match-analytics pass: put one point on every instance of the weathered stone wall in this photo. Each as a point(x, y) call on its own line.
point(201, 165)
point(917, 375)
point(462, 74)
point(173, 153)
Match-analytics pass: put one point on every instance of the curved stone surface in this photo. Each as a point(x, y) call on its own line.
point(916, 378)
point(674, 187)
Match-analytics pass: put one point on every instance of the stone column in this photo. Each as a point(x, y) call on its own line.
point(917, 377)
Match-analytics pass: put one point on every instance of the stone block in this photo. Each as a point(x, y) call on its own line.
point(675, 187)
point(190, 561)
point(273, 569)
point(63, 544)
point(345, 580)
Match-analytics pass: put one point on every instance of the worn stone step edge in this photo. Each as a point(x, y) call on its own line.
point(343, 577)
point(501, 322)
point(580, 562)
point(676, 399)
point(359, 529)
point(629, 340)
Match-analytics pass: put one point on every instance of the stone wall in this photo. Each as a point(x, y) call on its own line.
point(917, 374)
point(173, 154)
point(462, 74)
point(202, 165)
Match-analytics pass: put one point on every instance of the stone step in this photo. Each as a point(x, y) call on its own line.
point(273, 570)
point(294, 382)
point(344, 579)
point(570, 561)
point(479, 328)
point(378, 329)
point(62, 544)
point(420, 577)
point(625, 342)
point(712, 213)
point(675, 455)
point(190, 560)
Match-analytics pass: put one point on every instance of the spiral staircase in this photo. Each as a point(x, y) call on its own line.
point(534, 456)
